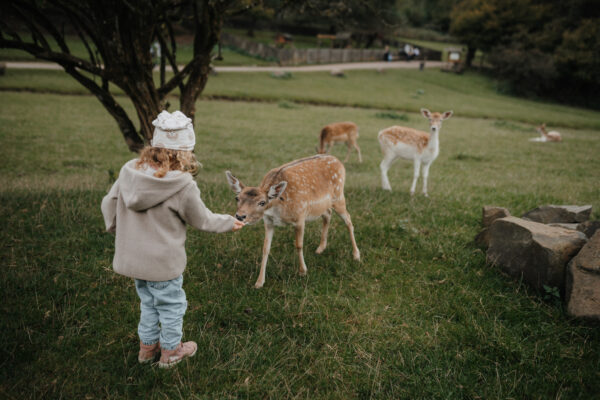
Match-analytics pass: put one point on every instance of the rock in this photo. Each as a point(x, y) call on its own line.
point(492, 213)
point(559, 214)
point(483, 238)
point(589, 228)
point(536, 252)
point(338, 73)
point(582, 291)
point(572, 227)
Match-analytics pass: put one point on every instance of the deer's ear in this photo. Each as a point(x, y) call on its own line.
point(426, 113)
point(234, 183)
point(277, 190)
point(447, 114)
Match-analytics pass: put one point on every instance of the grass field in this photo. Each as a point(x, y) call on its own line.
point(185, 54)
point(420, 317)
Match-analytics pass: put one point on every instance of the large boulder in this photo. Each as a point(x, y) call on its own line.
point(488, 215)
point(589, 228)
point(582, 292)
point(536, 252)
point(492, 213)
point(559, 214)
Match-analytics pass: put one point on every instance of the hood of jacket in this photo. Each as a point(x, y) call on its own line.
point(141, 190)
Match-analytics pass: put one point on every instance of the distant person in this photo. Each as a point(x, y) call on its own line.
point(387, 56)
point(416, 52)
point(148, 208)
point(155, 53)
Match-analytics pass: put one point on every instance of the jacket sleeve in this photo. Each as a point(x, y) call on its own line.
point(109, 208)
point(193, 211)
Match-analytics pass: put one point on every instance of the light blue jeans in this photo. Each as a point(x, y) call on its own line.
point(161, 302)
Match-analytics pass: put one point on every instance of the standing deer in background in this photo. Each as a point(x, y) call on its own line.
point(339, 132)
point(411, 144)
point(552, 136)
point(296, 192)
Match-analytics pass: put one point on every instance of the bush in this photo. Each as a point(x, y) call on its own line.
point(527, 71)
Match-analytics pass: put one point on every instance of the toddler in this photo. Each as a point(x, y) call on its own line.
point(148, 208)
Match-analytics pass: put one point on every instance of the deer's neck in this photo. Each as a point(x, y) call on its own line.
point(434, 140)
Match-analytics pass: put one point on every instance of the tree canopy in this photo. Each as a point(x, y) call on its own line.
point(540, 47)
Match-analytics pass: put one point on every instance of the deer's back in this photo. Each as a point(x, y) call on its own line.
point(313, 184)
point(401, 135)
point(339, 131)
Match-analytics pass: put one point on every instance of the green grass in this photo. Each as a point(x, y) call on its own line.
point(469, 95)
point(420, 316)
point(185, 52)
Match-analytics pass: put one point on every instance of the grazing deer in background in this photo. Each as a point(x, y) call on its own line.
point(552, 136)
point(339, 132)
point(411, 144)
point(296, 192)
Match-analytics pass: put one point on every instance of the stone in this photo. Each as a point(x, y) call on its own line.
point(535, 252)
point(589, 228)
point(483, 238)
point(492, 213)
point(559, 214)
point(337, 72)
point(572, 227)
point(582, 292)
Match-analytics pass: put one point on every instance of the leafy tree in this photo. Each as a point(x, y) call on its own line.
point(118, 35)
point(540, 47)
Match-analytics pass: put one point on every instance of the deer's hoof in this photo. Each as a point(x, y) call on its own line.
point(258, 285)
point(320, 250)
point(356, 255)
point(302, 272)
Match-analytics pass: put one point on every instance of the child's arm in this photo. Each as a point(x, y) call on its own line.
point(193, 211)
point(109, 208)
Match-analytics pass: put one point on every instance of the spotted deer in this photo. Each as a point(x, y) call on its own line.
point(545, 136)
point(412, 144)
point(336, 133)
point(292, 194)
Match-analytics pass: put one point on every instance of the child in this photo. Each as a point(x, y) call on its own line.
point(148, 208)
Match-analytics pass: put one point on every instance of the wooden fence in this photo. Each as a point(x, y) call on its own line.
point(292, 56)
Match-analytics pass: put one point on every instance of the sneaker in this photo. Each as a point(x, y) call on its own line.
point(168, 358)
point(148, 352)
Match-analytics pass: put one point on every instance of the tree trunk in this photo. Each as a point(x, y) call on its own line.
point(470, 56)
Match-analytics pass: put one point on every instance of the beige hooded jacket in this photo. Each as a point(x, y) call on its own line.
point(149, 217)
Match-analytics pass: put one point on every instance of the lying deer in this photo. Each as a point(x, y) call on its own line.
point(339, 132)
point(292, 194)
point(411, 144)
point(552, 136)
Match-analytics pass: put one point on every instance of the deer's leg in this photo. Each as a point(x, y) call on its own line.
point(358, 150)
point(425, 175)
point(385, 165)
point(299, 243)
point(349, 143)
point(326, 220)
point(340, 208)
point(417, 169)
point(269, 229)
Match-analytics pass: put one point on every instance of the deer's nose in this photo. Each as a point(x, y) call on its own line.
point(240, 217)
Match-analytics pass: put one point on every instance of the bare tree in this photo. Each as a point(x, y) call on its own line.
point(118, 35)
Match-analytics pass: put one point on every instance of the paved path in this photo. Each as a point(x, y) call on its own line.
point(378, 65)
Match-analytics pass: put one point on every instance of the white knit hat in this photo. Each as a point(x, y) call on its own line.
point(173, 131)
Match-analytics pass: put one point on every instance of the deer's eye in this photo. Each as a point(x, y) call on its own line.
point(237, 198)
point(262, 203)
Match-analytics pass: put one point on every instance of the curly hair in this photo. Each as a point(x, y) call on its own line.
point(165, 160)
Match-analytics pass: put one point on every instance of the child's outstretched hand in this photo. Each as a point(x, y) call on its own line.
point(237, 225)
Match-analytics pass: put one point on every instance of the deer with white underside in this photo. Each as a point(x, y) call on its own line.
point(339, 132)
point(412, 144)
point(545, 136)
point(292, 194)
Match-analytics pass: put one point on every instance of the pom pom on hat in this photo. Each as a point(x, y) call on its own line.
point(173, 131)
